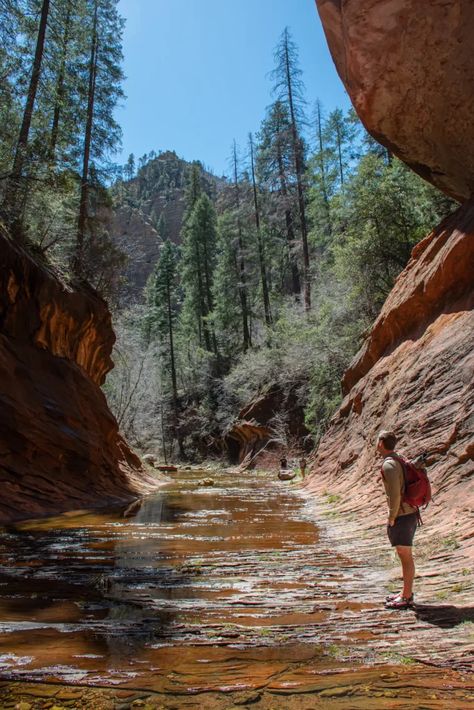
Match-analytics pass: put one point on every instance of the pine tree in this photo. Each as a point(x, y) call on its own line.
point(129, 168)
point(324, 183)
point(227, 314)
point(289, 88)
point(14, 195)
point(11, 61)
point(199, 239)
point(339, 134)
point(243, 288)
point(274, 165)
point(259, 235)
point(101, 132)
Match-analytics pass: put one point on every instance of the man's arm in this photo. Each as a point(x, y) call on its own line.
point(391, 481)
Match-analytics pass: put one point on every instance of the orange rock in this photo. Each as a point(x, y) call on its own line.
point(59, 444)
point(408, 68)
point(415, 374)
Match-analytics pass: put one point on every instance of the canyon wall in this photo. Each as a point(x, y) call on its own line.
point(410, 77)
point(59, 444)
point(414, 374)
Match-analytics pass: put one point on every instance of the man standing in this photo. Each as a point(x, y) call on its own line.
point(402, 518)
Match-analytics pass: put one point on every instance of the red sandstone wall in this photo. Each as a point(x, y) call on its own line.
point(415, 374)
point(407, 66)
point(59, 444)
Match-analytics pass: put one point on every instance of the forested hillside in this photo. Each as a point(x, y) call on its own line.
point(274, 278)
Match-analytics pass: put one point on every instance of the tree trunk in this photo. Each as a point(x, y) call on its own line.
point(299, 183)
point(243, 278)
point(170, 335)
point(261, 255)
point(202, 305)
point(323, 171)
point(209, 299)
point(60, 84)
point(339, 152)
point(290, 234)
point(174, 384)
point(82, 220)
point(11, 206)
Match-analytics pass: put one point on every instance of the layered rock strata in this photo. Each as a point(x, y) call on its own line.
point(415, 374)
point(409, 73)
point(59, 444)
point(408, 68)
point(256, 428)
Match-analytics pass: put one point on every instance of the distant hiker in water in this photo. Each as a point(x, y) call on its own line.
point(402, 518)
point(302, 463)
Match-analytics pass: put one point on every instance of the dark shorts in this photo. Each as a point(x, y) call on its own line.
point(403, 532)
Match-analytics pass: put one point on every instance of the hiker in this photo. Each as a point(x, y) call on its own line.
point(302, 463)
point(402, 518)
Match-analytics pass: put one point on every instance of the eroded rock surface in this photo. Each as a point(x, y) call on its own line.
point(415, 374)
point(256, 427)
point(408, 68)
point(59, 444)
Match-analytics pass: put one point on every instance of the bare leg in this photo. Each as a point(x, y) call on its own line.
point(408, 569)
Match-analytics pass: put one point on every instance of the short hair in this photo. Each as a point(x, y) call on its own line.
point(389, 439)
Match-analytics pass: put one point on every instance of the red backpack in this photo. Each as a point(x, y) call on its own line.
point(417, 485)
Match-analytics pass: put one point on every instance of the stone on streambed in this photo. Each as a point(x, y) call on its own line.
point(206, 482)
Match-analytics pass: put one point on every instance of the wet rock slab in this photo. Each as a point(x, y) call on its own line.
point(238, 594)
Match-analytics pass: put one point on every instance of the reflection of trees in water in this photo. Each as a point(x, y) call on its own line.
point(138, 579)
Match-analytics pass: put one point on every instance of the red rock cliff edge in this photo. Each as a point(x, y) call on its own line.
point(59, 444)
point(407, 66)
point(414, 374)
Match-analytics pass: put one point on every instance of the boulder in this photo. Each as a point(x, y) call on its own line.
point(253, 430)
point(407, 66)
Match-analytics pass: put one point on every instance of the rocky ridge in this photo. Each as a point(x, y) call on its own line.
point(148, 209)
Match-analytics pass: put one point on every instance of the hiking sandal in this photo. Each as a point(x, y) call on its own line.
point(399, 602)
point(391, 597)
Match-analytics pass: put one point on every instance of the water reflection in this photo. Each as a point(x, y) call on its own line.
point(191, 588)
point(104, 594)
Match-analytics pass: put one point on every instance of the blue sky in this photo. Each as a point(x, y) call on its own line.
point(197, 72)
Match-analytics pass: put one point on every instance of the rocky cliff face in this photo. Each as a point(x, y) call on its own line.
point(403, 67)
point(255, 431)
point(415, 375)
point(59, 444)
point(148, 209)
point(408, 68)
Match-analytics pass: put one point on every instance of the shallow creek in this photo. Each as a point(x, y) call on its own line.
point(230, 590)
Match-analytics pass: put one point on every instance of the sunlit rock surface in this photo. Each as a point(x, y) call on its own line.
point(408, 68)
point(257, 425)
point(59, 444)
point(414, 374)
